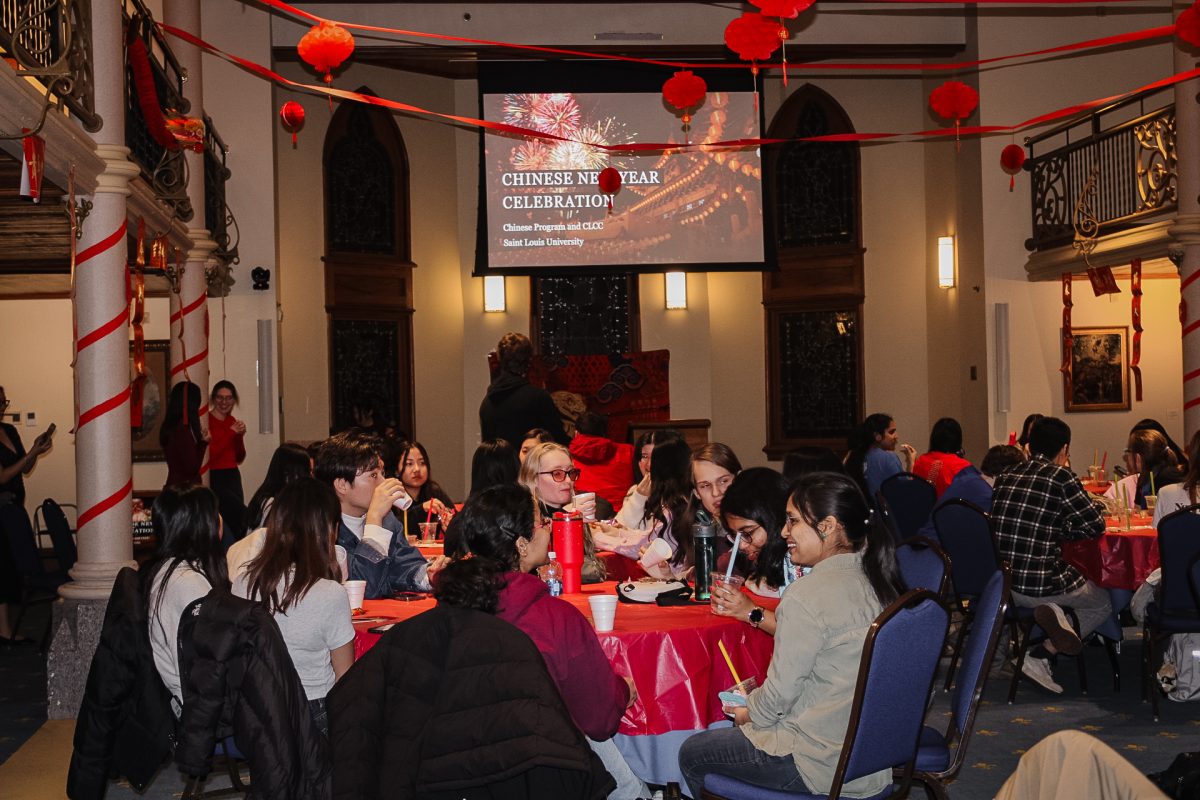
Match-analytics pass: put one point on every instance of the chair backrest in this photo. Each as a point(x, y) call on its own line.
point(1178, 548)
point(965, 532)
point(910, 500)
point(923, 565)
point(61, 539)
point(899, 660)
point(22, 544)
point(978, 651)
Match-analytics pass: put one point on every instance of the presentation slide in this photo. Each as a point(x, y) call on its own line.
point(545, 207)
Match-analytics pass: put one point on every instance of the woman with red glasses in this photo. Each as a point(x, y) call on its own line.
point(550, 475)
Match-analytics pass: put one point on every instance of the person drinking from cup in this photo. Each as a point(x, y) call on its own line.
point(753, 509)
point(352, 463)
point(507, 538)
point(789, 735)
point(549, 474)
point(296, 577)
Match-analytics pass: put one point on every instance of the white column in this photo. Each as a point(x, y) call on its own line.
point(1186, 230)
point(103, 467)
point(191, 300)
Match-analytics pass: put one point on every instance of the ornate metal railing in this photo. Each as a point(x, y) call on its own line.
point(218, 219)
point(165, 170)
point(51, 41)
point(1128, 154)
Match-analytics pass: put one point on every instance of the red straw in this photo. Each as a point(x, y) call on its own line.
point(429, 516)
point(1104, 461)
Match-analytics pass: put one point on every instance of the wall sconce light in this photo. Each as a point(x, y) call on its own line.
point(676, 284)
point(493, 293)
point(945, 249)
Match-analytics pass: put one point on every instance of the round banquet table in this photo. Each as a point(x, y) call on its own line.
point(670, 652)
point(1120, 559)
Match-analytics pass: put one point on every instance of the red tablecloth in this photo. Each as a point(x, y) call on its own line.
point(671, 652)
point(621, 568)
point(1119, 559)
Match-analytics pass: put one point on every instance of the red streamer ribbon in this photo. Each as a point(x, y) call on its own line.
point(147, 94)
point(138, 274)
point(1107, 41)
point(90, 514)
point(515, 130)
point(1135, 288)
point(1068, 340)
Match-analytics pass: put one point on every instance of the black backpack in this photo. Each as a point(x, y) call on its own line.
point(1181, 780)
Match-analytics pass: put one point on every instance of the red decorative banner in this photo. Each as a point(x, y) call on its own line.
point(515, 130)
point(138, 273)
point(1103, 281)
point(1068, 340)
point(1135, 288)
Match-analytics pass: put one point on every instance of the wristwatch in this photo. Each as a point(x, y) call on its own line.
point(756, 616)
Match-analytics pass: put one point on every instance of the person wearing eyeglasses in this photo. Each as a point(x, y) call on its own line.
point(226, 450)
point(550, 475)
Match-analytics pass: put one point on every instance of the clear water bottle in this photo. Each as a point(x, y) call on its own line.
point(552, 574)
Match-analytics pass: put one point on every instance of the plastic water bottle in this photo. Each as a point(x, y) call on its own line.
point(704, 538)
point(552, 575)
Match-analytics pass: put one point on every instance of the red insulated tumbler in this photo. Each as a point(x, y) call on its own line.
point(567, 531)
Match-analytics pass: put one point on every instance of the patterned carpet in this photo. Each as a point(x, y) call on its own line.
point(1002, 733)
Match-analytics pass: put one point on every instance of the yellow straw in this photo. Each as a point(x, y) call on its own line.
point(729, 662)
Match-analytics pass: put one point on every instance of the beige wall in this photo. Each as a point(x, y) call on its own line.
point(1035, 309)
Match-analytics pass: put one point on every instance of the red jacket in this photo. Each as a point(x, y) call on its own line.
point(939, 469)
point(595, 695)
point(605, 467)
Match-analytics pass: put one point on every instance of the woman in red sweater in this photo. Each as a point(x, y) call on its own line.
point(500, 542)
point(945, 457)
point(227, 449)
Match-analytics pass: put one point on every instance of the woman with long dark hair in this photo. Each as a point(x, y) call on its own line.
point(789, 735)
point(944, 459)
point(226, 450)
point(1186, 492)
point(296, 577)
point(188, 563)
point(430, 502)
point(290, 462)
point(182, 437)
point(872, 455)
point(505, 538)
point(754, 508)
point(633, 508)
point(494, 463)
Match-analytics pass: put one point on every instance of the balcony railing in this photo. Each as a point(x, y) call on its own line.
point(165, 170)
point(51, 41)
point(218, 219)
point(1125, 151)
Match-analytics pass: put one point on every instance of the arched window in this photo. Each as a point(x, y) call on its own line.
point(368, 271)
point(814, 299)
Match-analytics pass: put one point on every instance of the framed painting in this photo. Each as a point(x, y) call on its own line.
point(154, 399)
point(1099, 378)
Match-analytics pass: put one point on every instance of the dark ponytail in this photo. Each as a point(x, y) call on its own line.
point(484, 536)
point(861, 440)
point(825, 494)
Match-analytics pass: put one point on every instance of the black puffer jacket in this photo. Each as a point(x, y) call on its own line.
point(238, 677)
point(452, 701)
point(125, 725)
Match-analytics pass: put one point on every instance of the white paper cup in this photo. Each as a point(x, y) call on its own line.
point(656, 553)
point(604, 611)
point(585, 503)
point(356, 591)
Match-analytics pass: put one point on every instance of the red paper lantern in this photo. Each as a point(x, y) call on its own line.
point(325, 47)
point(752, 36)
point(1187, 27)
point(954, 100)
point(188, 131)
point(292, 117)
point(1012, 159)
point(685, 91)
point(610, 183)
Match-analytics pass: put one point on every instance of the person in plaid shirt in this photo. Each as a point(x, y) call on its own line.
point(1036, 505)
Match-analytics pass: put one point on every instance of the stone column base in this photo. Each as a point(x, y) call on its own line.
point(74, 638)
